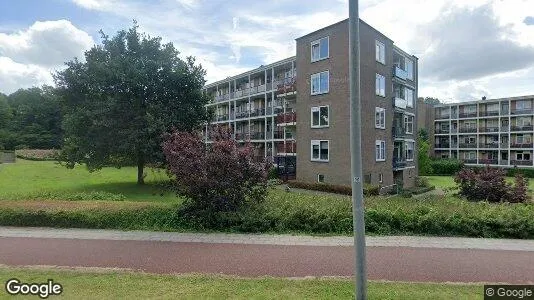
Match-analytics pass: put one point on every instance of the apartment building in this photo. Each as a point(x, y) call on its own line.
point(262, 105)
point(497, 132)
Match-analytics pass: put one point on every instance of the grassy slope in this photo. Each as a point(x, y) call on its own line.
point(34, 179)
point(122, 285)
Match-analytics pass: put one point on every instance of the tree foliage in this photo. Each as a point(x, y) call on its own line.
point(423, 157)
point(124, 96)
point(489, 184)
point(430, 100)
point(217, 177)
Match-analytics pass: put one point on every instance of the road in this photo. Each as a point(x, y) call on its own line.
point(395, 263)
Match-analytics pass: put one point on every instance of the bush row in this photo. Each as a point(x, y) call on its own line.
point(38, 154)
point(298, 213)
point(368, 189)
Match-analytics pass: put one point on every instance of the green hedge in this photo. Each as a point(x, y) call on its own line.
point(368, 189)
point(311, 214)
point(445, 166)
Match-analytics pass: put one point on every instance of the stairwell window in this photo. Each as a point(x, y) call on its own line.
point(320, 49)
point(380, 118)
point(380, 85)
point(320, 83)
point(320, 150)
point(380, 150)
point(319, 116)
point(380, 52)
point(408, 124)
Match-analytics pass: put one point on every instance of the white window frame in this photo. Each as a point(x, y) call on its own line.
point(523, 104)
point(523, 156)
point(408, 119)
point(380, 118)
point(318, 109)
point(410, 72)
point(380, 177)
point(318, 176)
point(312, 76)
point(318, 42)
point(380, 52)
point(380, 153)
point(319, 142)
point(408, 143)
point(380, 85)
point(409, 100)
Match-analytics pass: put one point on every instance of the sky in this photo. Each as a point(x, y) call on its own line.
point(466, 48)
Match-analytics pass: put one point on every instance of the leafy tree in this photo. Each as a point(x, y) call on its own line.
point(5, 112)
point(220, 177)
point(430, 100)
point(128, 92)
point(423, 149)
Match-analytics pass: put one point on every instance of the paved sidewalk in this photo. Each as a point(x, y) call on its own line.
point(265, 239)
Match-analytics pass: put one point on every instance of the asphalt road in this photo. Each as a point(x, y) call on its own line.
point(383, 263)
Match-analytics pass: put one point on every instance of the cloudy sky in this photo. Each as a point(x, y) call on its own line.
point(467, 48)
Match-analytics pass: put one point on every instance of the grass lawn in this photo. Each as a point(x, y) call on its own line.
point(445, 182)
point(49, 180)
point(86, 284)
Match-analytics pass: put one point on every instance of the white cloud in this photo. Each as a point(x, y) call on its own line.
point(14, 76)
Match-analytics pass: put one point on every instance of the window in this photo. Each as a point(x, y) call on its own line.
point(409, 96)
point(380, 177)
point(524, 121)
point(320, 178)
point(380, 153)
point(319, 150)
point(380, 85)
point(470, 109)
point(409, 151)
point(523, 105)
point(380, 52)
point(380, 118)
point(409, 68)
point(408, 124)
point(320, 49)
point(319, 116)
point(470, 155)
point(320, 83)
point(522, 156)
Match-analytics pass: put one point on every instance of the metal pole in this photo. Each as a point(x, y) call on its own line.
point(356, 150)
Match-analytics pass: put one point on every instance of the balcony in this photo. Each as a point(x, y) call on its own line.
point(287, 148)
point(468, 145)
point(278, 135)
point(286, 119)
point(242, 114)
point(221, 118)
point(468, 115)
point(467, 130)
point(522, 145)
point(241, 136)
point(400, 103)
point(486, 161)
point(257, 112)
point(505, 145)
point(399, 163)
point(489, 129)
point(488, 113)
point(469, 161)
point(504, 128)
point(442, 131)
point(286, 85)
point(222, 97)
point(399, 132)
point(522, 128)
point(442, 145)
point(521, 111)
point(258, 135)
point(400, 73)
point(489, 145)
point(521, 162)
point(443, 116)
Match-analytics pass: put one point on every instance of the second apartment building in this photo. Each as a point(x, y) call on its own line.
point(262, 106)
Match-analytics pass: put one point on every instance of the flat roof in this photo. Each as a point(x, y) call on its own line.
point(526, 97)
point(344, 21)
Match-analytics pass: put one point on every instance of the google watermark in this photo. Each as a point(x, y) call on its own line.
point(523, 292)
point(44, 290)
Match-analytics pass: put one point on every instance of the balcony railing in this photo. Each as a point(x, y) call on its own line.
point(441, 130)
point(221, 118)
point(400, 103)
point(287, 148)
point(488, 113)
point(468, 115)
point(521, 145)
point(242, 114)
point(488, 145)
point(399, 162)
point(399, 132)
point(469, 161)
point(442, 145)
point(258, 135)
point(489, 129)
point(521, 162)
point(504, 128)
point(486, 161)
point(290, 117)
point(278, 135)
point(505, 145)
point(467, 130)
point(443, 116)
point(286, 85)
point(468, 145)
point(241, 136)
point(522, 128)
point(400, 73)
point(257, 112)
point(521, 111)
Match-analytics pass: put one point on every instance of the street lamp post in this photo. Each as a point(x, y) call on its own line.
point(356, 150)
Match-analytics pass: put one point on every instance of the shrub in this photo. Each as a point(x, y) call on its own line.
point(368, 189)
point(525, 172)
point(38, 154)
point(446, 166)
point(273, 173)
point(219, 177)
point(489, 184)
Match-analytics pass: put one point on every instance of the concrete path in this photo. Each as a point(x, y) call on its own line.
point(420, 259)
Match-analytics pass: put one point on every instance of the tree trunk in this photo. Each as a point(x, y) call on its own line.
point(140, 167)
